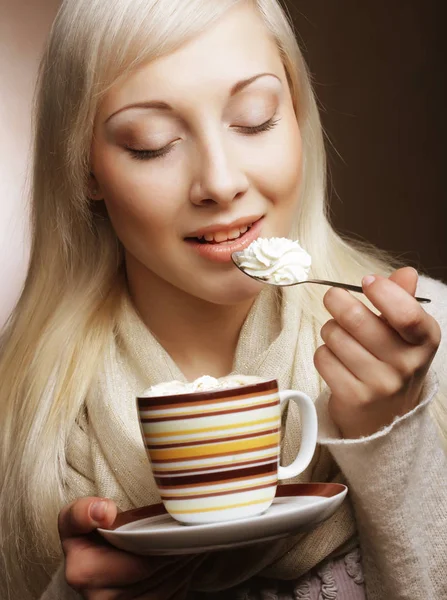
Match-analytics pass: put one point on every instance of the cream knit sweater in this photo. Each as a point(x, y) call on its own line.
point(397, 483)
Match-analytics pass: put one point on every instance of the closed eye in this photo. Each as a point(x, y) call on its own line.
point(161, 152)
point(270, 124)
point(150, 154)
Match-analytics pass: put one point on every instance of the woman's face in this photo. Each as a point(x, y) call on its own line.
point(198, 153)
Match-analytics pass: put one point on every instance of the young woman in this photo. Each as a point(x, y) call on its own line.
point(168, 135)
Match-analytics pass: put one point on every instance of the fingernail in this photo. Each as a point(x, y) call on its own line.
point(98, 510)
point(366, 281)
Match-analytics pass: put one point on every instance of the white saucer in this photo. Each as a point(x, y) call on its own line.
point(296, 507)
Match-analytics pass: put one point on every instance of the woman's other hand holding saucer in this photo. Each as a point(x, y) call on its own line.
point(375, 366)
point(98, 571)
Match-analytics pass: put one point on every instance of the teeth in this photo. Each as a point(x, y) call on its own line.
point(223, 236)
point(220, 236)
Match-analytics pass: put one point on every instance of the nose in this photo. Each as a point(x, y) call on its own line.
point(220, 180)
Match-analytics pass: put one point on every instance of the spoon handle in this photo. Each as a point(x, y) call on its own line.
point(353, 288)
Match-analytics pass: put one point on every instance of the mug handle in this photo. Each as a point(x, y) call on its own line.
point(309, 432)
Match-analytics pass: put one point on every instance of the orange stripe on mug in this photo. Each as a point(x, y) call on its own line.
point(225, 507)
point(215, 449)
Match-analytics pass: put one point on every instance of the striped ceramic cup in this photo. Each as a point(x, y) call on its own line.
point(215, 454)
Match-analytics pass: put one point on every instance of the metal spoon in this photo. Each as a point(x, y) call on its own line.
point(345, 286)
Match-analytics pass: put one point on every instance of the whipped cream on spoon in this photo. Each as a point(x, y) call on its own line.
point(283, 262)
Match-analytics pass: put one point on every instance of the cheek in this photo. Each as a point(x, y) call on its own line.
point(279, 178)
point(138, 197)
point(289, 157)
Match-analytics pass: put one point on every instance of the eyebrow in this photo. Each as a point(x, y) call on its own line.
point(157, 104)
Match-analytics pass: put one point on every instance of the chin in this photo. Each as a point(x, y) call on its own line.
point(226, 293)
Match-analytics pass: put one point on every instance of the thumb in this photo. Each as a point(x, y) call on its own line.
point(84, 515)
point(406, 278)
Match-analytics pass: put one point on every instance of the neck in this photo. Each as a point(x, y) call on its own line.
point(200, 337)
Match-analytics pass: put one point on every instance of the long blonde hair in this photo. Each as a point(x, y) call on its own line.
point(65, 319)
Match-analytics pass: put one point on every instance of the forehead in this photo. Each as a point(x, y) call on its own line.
point(236, 47)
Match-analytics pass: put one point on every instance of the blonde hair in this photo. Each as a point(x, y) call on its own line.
point(66, 316)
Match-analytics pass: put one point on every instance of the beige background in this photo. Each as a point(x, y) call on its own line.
point(377, 69)
point(23, 27)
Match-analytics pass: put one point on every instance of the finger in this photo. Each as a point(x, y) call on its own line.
point(375, 335)
point(403, 313)
point(84, 515)
point(351, 405)
point(357, 359)
point(341, 381)
point(173, 585)
point(406, 278)
point(395, 365)
point(95, 564)
point(90, 560)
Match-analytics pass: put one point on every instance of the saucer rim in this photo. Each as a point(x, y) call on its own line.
point(292, 490)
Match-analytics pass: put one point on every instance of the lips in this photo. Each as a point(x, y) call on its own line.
point(220, 232)
point(224, 236)
point(221, 251)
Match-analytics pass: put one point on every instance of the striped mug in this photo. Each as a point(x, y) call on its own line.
point(215, 454)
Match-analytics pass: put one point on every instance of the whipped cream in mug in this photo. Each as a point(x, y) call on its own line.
point(275, 260)
point(205, 383)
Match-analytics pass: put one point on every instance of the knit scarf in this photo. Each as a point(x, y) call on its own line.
point(107, 458)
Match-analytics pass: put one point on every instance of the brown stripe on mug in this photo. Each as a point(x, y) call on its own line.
point(162, 474)
point(249, 390)
point(216, 477)
point(221, 493)
point(173, 402)
point(210, 414)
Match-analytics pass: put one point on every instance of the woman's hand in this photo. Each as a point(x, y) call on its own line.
point(98, 571)
point(375, 366)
